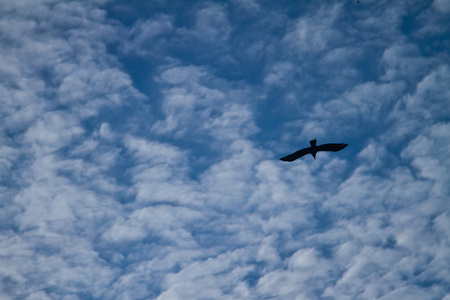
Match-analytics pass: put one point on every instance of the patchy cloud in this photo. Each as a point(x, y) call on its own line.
point(139, 147)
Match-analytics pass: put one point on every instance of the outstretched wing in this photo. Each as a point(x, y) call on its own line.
point(331, 147)
point(295, 155)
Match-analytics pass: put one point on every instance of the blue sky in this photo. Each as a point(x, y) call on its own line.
point(139, 147)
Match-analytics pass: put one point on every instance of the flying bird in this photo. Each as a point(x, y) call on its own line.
point(313, 150)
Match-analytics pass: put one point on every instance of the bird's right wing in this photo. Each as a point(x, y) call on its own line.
point(331, 147)
point(295, 155)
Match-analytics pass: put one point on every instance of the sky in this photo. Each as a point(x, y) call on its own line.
point(140, 145)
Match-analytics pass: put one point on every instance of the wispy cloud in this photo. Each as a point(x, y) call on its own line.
point(139, 150)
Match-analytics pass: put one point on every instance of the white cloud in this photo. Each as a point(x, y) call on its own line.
point(197, 102)
point(147, 36)
point(408, 292)
point(249, 6)
point(431, 96)
point(165, 222)
point(155, 152)
point(53, 131)
point(204, 279)
point(211, 24)
point(311, 35)
point(107, 193)
point(403, 62)
point(236, 121)
point(442, 6)
point(279, 73)
point(363, 107)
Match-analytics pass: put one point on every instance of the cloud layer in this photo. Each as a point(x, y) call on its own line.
point(139, 149)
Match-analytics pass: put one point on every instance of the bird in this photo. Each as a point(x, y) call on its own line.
point(313, 150)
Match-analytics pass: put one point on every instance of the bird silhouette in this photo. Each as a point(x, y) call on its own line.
point(313, 150)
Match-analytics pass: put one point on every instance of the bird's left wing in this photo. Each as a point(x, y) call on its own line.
point(295, 155)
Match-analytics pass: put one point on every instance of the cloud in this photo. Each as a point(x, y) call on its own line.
point(431, 94)
point(147, 36)
point(139, 157)
point(305, 267)
point(311, 35)
point(203, 279)
point(441, 6)
point(196, 101)
point(278, 74)
point(403, 62)
point(211, 24)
